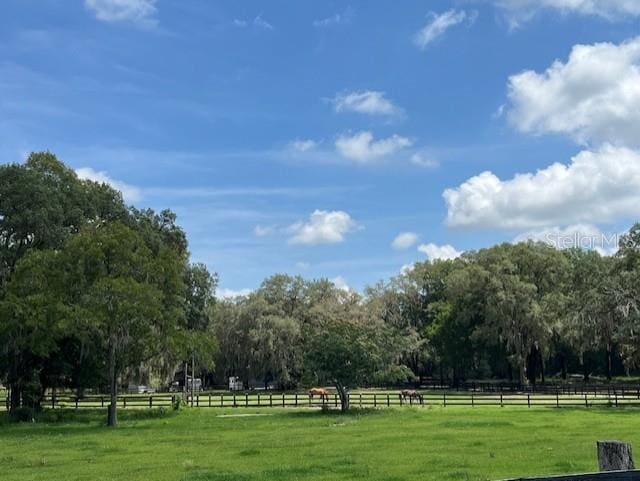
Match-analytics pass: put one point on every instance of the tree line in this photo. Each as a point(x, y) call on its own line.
point(91, 290)
point(94, 293)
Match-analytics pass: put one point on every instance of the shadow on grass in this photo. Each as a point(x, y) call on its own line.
point(319, 413)
point(81, 419)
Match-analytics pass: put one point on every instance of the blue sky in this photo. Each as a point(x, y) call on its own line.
point(304, 137)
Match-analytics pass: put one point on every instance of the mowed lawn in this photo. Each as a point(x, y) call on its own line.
point(390, 444)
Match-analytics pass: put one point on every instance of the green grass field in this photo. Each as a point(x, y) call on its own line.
point(392, 444)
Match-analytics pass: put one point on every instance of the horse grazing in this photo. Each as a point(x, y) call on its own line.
point(318, 391)
point(411, 394)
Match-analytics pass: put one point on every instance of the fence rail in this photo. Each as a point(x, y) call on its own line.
point(365, 399)
point(632, 475)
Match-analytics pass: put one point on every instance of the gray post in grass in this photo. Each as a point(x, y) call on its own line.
point(615, 460)
point(614, 456)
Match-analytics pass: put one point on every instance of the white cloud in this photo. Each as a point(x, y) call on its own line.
point(522, 10)
point(262, 231)
point(436, 252)
point(362, 147)
point(407, 268)
point(239, 23)
point(600, 186)
point(262, 23)
point(302, 265)
point(335, 19)
point(438, 24)
point(130, 193)
point(137, 11)
point(370, 102)
point(303, 145)
point(340, 283)
point(232, 294)
point(422, 159)
point(593, 97)
point(404, 240)
point(584, 236)
point(323, 227)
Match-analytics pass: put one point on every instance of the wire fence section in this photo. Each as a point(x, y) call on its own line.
point(363, 399)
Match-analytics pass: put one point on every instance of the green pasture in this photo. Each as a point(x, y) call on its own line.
point(433, 443)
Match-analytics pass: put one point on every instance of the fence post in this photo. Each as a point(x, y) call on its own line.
point(76, 402)
point(444, 399)
point(234, 400)
point(501, 404)
point(283, 400)
point(586, 403)
point(198, 400)
point(472, 402)
point(270, 399)
point(53, 399)
point(528, 400)
point(246, 399)
point(221, 400)
point(360, 399)
point(296, 399)
point(209, 399)
point(335, 400)
point(557, 400)
point(124, 402)
point(375, 403)
point(615, 393)
point(388, 400)
point(150, 402)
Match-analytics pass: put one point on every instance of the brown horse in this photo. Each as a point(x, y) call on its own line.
point(318, 391)
point(411, 394)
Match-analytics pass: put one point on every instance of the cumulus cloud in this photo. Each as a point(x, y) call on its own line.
point(232, 294)
point(137, 11)
point(404, 240)
point(522, 10)
point(436, 252)
point(407, 268)
point(260, 22)
point(303, 145)
point(362, 147)
point(422, 159)
point(370, 102)
point(593, 97)
point(598, 186)
point(129, 192)
point(262, 231)
point(438, 24)
point(323, 227)
point(340, 283)
point(583, 236)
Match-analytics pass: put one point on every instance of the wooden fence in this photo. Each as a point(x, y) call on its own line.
point(364, 399)
point(633, 475)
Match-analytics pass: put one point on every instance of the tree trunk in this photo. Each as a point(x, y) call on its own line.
point(614, 456)
point(585, 371)
point(15, 384)
point(112, 416)
point(609, 362)
point(186, 375)
point(193, 378)
point(522, 371)
point(343, 394)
